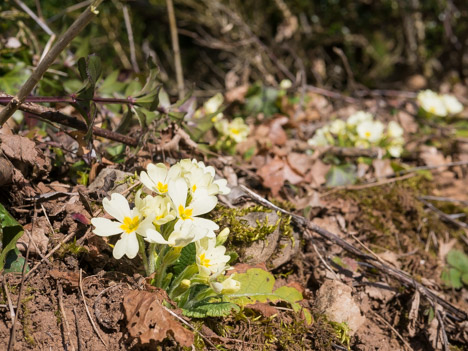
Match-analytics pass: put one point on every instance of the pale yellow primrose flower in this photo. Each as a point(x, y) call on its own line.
point(157, 177)
point(394, 130)
point(210, 259)
point(212, 105)
point(158, 208)
point(358, 118)
point(129, 223)
point(228, 286)
point(395, 150)
point(200, 176)
point(201, 203)
point(319, 139)
point(238, 130)
point(452, 104)
point(338, 126)
point(431, 102)
point(370, 131)
point(185, 234)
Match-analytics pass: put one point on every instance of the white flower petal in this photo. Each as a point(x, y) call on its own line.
point(205, 223)
point(153, 236)
point(132, 245)
point(106, 227)
point(146, 180)
point(203, 203)
point(177, 190)
point(117, 206)
point(120, 248)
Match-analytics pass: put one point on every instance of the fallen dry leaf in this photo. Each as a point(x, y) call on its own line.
point(147, 319)
point(72, 278)
point(275, 173)
point(265, 309)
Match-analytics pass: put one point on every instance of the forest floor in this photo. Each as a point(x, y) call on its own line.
point(371, 253)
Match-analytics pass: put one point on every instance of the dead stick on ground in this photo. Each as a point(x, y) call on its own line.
point(49, 59)
point(78, 331)
point(58, 246)
point(62, 311)
point(11, 342)
point(393, 329)
point(87, 311)
point(131, 41)
point(10, 303)
point(401, 276)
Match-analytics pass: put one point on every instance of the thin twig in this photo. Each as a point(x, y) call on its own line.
point(188, 325)
point(10, 303)
point(51, 115)
point(12, 340)
point(59, 46)
point(39, 21)
point(422, 168)
point(62, 311)
point(322, 260)
point(176, 49)
point(131, 41)
point(393, 329)
point(349, 72)
point(78, 331)
point(442, 214)
point(442, 331)
point(89, 313)
point(58, 246)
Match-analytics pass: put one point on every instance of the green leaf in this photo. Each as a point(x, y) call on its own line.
point(14, 262)
point(10, 232)
point(341, 175)
point(211, 309)
point(94, 68)
point(257, 286)
point(82, 68)
point(187, 258)
point(458, 260)
point(14, 79)
point(451, 277)
point(464, 278)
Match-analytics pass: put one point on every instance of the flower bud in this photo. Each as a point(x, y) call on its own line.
point(222, 236)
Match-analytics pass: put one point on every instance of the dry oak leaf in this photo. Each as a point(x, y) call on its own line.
point(147, 319)
point(275, 173)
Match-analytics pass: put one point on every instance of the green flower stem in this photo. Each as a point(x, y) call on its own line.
point(152, 258)
point(141, 249)
point(187, 273)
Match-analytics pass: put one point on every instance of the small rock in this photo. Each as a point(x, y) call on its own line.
point(335, 301)
point(110, 180)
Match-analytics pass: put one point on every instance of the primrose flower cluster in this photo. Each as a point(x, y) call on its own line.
point(360, 130)
point(441, 105)
point(166, 220)
point(230, 132)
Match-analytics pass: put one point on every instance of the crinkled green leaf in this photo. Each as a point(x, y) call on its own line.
point(458, 259)
point(257, 286)
point(10, 231)
point(14, 262)
point(464, 278)
point(213, 309)
point(94, 68)
point(451, 277)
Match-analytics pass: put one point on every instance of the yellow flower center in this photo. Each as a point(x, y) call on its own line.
point(432, 109)
point(129, 225)
point(367, 134)
point(205, 262)
point(185, 213)
point(162, 188)
point(235, 131)
point(194, 187)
